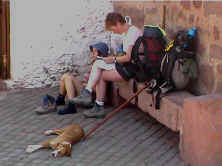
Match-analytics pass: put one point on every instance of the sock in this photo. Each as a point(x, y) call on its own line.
point(60, 100)
point(89, 89)
point(61, 95)
point(100, 103)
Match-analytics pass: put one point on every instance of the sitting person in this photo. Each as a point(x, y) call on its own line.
point(70, 86)
point(116, 23)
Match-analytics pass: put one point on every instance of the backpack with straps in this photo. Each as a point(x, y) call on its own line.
point(147, 53)
point(178, 66)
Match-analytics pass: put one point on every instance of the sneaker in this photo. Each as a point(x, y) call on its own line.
point(96, 112)
point(84, 99)
point(48, 105)
point(60, 100)
point(69, 109)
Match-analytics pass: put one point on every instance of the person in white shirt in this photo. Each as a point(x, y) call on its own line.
point(116, 23)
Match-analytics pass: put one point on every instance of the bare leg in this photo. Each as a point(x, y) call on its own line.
point(107, 75)
point(68, 85)
point(98, 110)
point(62, 89)
point(101, 90)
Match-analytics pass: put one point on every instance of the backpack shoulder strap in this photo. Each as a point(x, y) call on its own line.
point(135, 50)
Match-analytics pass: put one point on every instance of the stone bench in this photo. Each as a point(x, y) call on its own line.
point(171, 105)
point(198, 119)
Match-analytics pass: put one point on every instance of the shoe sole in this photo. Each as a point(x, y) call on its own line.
point(66, 113)
point(45, 112)
point(90, 105)
point(95, 116)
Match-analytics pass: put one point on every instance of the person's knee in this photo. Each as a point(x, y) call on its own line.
point(66, 76)
point(63, 77)
point(103, 76)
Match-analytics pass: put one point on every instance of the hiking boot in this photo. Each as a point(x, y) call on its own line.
point(48, 105)
point(45, 110)
point(60, 100)
point(69, 109)
point(84, 99)
point(96, 112)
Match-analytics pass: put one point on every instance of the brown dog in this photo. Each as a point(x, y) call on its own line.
point(62, 143)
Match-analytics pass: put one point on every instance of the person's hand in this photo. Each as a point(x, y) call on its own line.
point(93, 57)
point(109, 59)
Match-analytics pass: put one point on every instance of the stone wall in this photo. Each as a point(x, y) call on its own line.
point(186, 14)
point(48, 37)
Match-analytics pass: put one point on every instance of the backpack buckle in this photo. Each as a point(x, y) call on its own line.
point(152, 86)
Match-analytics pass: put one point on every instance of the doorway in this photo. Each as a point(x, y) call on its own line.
point(4, 39)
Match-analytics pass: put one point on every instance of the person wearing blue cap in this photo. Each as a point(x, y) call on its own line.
point(100, 51)
point(70, 86)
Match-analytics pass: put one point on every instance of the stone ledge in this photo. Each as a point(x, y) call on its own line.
point(171, 105)
point(200, 140)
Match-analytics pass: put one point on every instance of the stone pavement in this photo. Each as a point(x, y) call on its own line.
point(130, 138)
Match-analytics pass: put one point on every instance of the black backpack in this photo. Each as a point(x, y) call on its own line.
point(178, 66)
point(146, 56)
point(147, 53)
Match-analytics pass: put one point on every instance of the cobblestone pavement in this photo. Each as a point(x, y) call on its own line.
point(130, 138)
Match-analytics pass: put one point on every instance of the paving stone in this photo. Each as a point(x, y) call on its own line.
point(126, 139)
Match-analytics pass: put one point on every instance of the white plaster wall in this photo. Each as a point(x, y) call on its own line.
point(48, 35)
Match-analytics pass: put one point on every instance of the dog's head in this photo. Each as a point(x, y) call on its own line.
point(63, 149)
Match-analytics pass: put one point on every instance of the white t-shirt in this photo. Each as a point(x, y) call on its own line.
point(116, 41)
point(130, 37)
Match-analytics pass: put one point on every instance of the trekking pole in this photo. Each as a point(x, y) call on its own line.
point(164, 18)
point(116, 110)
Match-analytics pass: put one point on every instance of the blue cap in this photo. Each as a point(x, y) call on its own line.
point(101, 47)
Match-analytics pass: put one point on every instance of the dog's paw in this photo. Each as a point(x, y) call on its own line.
point(48, 132)
point(32, 148)
point(55, 153)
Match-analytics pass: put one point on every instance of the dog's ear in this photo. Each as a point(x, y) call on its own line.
point(68, 149)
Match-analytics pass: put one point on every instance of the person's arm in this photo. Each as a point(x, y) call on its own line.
point(120, 59)
point(93, 58)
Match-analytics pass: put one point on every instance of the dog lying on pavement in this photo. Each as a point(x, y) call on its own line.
point(62, 143)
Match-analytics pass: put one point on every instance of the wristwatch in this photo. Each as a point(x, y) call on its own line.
point(115, 59)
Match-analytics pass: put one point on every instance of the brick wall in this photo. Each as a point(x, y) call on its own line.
point(186, 14)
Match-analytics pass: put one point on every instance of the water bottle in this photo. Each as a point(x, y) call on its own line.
point(119, 50)
point(192, 33)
